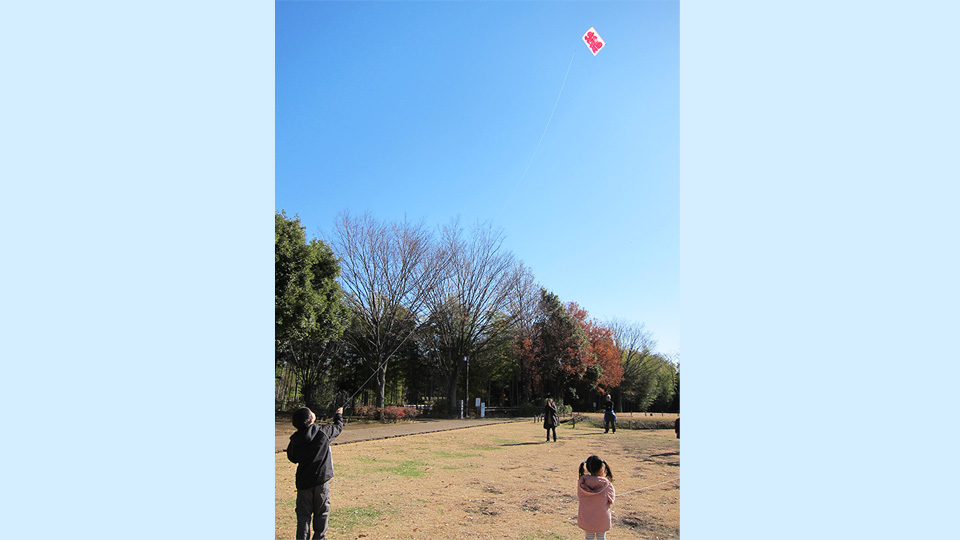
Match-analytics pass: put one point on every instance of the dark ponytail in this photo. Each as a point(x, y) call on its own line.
point(592, 465)
point(609, 472)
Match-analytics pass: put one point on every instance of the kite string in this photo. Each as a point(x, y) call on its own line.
point(360, 388)
point(522, 176)
point(648, 487)
point(349, 399)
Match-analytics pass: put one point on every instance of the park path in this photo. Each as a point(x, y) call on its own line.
point(368, 432)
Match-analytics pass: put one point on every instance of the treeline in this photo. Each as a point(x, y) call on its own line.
point(395, 313)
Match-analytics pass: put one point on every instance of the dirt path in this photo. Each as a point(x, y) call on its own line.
point(356, 432)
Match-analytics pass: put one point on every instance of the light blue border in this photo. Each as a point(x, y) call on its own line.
point(137, 236)
point(819, 269)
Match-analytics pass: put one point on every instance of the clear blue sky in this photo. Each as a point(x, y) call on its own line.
point(435, 109)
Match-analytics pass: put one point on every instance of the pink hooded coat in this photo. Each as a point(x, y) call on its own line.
point(596, 496)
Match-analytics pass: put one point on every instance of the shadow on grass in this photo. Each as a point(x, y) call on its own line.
point(521, 443)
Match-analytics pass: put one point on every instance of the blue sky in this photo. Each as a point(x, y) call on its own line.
point(441, 109)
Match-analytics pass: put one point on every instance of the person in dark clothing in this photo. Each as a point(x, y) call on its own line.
point(609, 417)
point(550, 420)
point(309, 448)
point(676, 427)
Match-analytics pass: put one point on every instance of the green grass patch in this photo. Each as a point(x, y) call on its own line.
point(344, 520)
point(541, 535)
point(403, 468)
point(407, 468)
point(486, 447)
point(441, 453)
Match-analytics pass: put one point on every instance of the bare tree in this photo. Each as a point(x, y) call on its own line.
point(470, 307)
point(387, 271)
point(636, 346)
point(524, 308)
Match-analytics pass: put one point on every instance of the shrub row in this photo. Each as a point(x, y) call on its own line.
point(390, 412)
point(637, 423)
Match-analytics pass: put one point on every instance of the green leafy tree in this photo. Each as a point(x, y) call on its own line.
point(308, 300)
point(653, 387)
point(309, 307)
point(495, 370)
point(561, 348)
point(664, 385)
point(675, 403)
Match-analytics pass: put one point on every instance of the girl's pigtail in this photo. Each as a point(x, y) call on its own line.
point(582, 466)
point(609, 472)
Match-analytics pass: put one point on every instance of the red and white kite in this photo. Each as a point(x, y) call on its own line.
point(593, 40)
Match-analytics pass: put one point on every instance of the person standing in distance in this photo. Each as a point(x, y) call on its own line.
point(550, 420)
point(609, 417)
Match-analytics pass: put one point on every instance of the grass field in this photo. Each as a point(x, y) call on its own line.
point(498, 481)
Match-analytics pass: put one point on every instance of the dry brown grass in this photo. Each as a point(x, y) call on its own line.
point(499, 481)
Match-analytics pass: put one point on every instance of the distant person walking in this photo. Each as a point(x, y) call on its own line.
point(309, 448)
point(596, 495)
point(550, 419)
point(609, 417)
point(676, 427)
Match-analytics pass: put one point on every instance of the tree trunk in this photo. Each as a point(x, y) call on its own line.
point(452, 381)
point(381, 388)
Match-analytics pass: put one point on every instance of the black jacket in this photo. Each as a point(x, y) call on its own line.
point(550, 419)
point(608, 407)
point(309, 448)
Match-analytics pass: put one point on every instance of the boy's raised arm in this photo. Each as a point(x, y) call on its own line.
point(336, 427)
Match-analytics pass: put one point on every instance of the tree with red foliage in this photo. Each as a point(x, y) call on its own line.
point(603, 350)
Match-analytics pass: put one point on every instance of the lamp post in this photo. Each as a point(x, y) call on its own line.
point(466, 395)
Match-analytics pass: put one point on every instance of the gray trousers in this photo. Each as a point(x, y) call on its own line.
point(313, 502)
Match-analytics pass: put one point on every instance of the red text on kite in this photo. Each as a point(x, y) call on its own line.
point(593, 41)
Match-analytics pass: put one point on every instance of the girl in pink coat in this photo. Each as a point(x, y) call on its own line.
point(596, 496)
